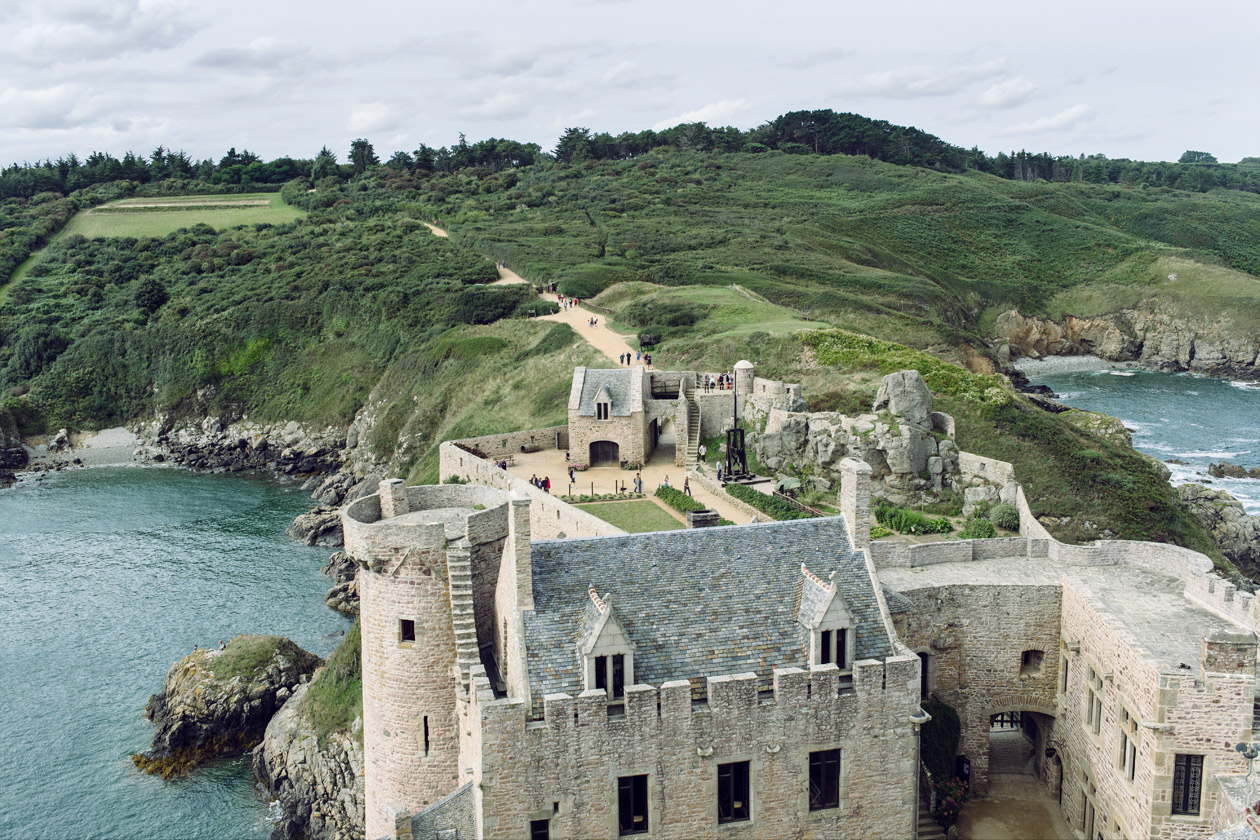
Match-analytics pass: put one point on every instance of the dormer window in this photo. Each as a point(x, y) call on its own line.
point(826, 616)
point(602, 410)
point(607, 651)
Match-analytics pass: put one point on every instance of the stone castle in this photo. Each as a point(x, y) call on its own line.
point(532, 671)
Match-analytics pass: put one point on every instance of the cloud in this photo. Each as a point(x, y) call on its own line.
point(621, 75)
point(1064, 119)
point(61, 106)
point(913, 82)
point(105, 30)
point(1008, 94)
point(260, 54)
point(369, 117)
point(502, 106)
point(722, 112)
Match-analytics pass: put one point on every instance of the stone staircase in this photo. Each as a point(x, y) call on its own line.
point(692, 456)
point(459, 570)
point(929, 828)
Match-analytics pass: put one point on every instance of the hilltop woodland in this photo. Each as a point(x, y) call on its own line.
point(828, 247)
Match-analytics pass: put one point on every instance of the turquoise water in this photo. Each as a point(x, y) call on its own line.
point(1177, 416)
point(109, 576)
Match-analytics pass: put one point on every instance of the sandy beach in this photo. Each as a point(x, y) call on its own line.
point(108, 447)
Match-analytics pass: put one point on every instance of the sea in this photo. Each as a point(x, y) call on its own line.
point(109, 576)
point(1173, 416)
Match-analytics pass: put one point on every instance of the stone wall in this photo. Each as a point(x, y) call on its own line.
point(550, 518)
point(975, 637)
point(496, 446)
point(453, 811)
point(630, 433)
point(567, 765)
point(890, 554)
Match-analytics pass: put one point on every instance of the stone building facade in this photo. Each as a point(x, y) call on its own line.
point(532, 671)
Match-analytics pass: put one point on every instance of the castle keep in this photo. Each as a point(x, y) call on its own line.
point(532, 671)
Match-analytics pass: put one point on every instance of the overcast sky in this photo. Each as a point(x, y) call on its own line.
point(281, 77)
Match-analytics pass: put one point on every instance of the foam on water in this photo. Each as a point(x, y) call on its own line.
point(1191, 418)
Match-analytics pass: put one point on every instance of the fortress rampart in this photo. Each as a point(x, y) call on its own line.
point(550, 518)
point(566, 765)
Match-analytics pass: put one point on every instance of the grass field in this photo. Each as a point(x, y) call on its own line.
point(634, 517)
point(160, 216)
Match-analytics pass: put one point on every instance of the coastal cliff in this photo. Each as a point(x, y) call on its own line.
point(216, 702)
point(1152, 334)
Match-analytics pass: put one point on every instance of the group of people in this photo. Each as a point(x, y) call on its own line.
point(543, 484)
point(592, 321)
point(646, 358)
point(501, 464)
point(721, 382)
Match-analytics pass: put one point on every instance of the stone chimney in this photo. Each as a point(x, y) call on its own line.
point(518, 544)
point(393, 492)
point(855, 501)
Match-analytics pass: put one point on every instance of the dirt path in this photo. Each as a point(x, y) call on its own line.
point(611, 344)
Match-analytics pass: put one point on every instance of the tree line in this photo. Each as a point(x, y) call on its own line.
point(821, 132)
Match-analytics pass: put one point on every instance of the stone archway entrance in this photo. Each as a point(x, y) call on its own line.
point(605, 453)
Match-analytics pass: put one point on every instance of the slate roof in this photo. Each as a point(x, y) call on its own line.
point(696, 603)
point(616, 381)
point(813, 599)
point(896, 602)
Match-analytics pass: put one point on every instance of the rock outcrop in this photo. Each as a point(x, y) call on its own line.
point(1227, 470)
point(1152, 333)
point(218, 702)
point(13, 455)
point(1237, 533)
point(899, 440)
point(344, 596)
point(321, 526)
point(318, 786)
point(226, 444)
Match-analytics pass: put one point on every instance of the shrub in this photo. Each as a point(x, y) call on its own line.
point(677, 499)
point(1005, 515)
point(335, 697)
point(905, 521)
point(769, 505)
point(951, 794)
point(978, 529)
point(938, 739)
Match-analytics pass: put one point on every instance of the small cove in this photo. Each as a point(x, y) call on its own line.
point(1172, 416)
point(112, 574)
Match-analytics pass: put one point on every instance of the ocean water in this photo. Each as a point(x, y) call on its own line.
point(109, 576)
point(1172, 415)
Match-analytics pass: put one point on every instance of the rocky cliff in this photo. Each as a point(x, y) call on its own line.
point(232, 445)
point(13, 454)
point(1153, 334)
point(909, 447)
point(1236, 532)
point(218, 702)
point(319, 787)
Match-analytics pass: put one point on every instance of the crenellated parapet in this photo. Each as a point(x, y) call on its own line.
point(566, 763)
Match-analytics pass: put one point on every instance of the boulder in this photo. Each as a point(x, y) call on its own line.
point(905, 395)
point(1236, 532)
point(321, 526)
point(13, 455)
point(1227, 470)
point(218, 702)
point(344, 596)
point(60, 441)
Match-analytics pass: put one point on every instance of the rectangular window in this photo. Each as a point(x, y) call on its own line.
point(842, 648)
point(540, 830)
point(1093, 700)
point(601, 411)
point(632, 805)
point(1127, 758)
point(1187, 784)
point(824, 780)
point(1090, 815)
point(406, 630)
point(601, 673)
point(1063, 674)
point(733, 792)
point(824, 648)
point(426, 734)
point(618, 675)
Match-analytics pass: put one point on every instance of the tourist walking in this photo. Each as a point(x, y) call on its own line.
point(572, 476)
point(719, 470)
point(546, 484)
point(638, 483)
point(687, 485)
point(665, 483)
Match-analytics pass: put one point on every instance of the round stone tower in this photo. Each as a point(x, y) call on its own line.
point(415, 548)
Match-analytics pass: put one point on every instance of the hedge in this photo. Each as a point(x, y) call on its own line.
point(769, 505)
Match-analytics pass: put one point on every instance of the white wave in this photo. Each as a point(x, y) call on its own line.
point(1121, 373)
point(1246, 386)
point(1201, 453)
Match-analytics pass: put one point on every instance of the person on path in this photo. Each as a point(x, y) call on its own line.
point(701, 451)
point(637, 355)
point(687, 485)
point(638, 483)
point(719, 470)
point(572, 476)
point(665, 483)
point(533, 479)
point(221, 645)
point(546, 484)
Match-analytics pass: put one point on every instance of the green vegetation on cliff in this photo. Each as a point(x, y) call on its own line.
point(335, 696)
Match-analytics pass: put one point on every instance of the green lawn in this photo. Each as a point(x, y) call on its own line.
point(635, 517)
point(160, 216)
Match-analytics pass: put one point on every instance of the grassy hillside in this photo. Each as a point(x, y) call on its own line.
point(911, 255)
point(159, 216)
